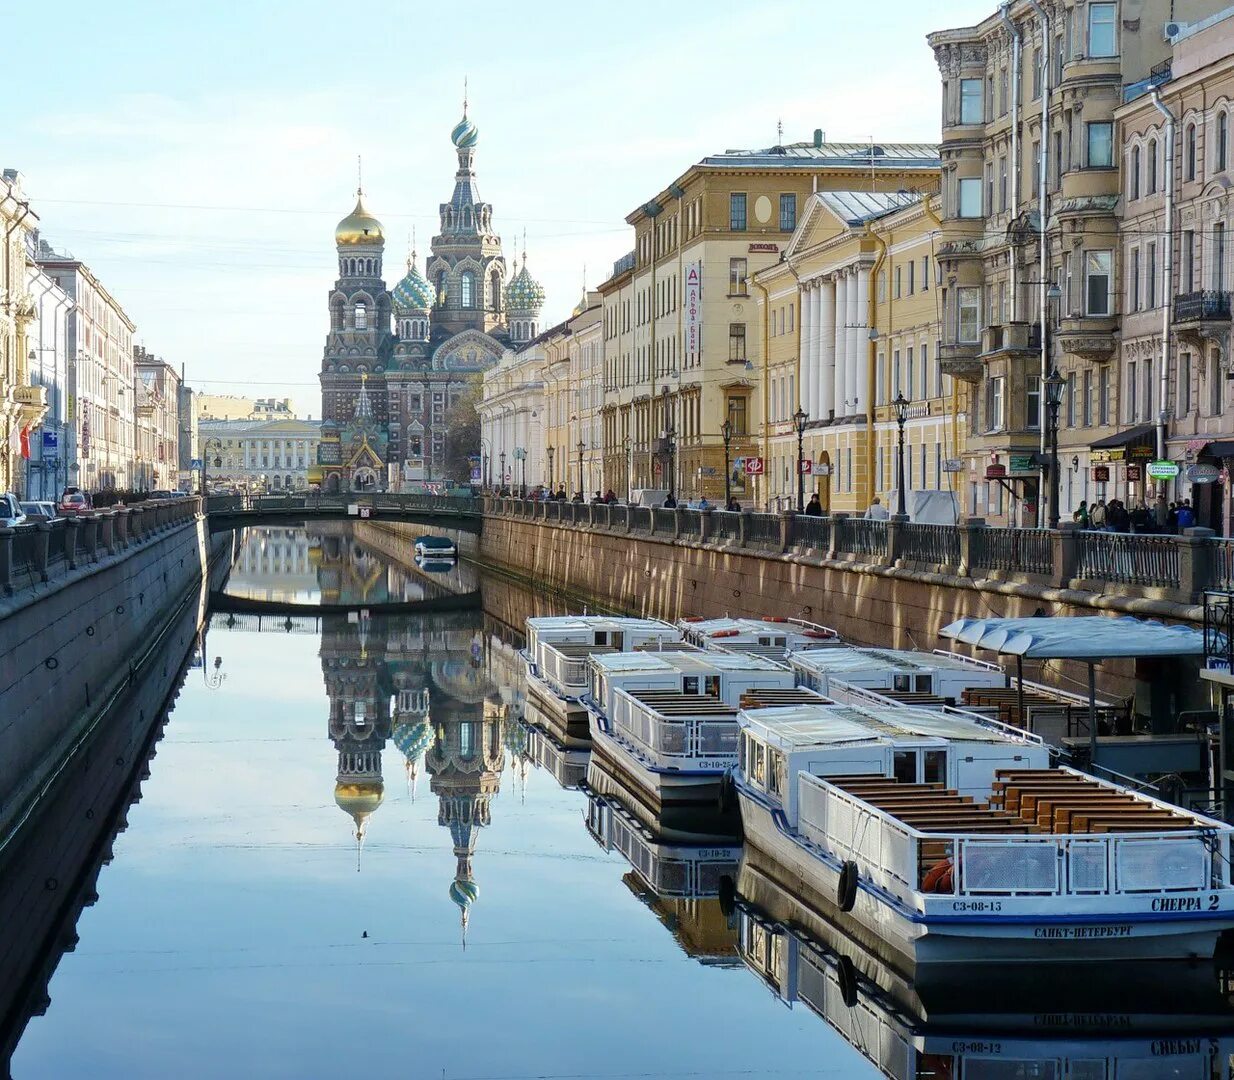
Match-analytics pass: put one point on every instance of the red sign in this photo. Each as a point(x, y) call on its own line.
point(1135, 473)
point(995, 472)
point(807, 467)
point(771, 249)
point(1101, 474)
point(754, 466)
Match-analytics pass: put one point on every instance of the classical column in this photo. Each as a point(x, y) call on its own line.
point(825, 384)
point(840, 387)
point(852, 347)
point(807, 371)
point(861, 354)
point(816, 348)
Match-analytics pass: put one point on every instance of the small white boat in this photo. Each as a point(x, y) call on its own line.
point(854, 674)
point(669, 720)
point(952, 838)
point(435, 547)
point(772, 638)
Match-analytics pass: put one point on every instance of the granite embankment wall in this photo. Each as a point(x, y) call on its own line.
point(866, 604)
point(67, 646)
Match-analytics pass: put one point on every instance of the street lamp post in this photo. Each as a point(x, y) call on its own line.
point(901, 407)
point(211, 443)
point(581, 447)
point(726, 431)
point(1053, 398)
point(1051, 296)
point(799, 421)
point(501, 480)
point(627, 446)
point(551, 451)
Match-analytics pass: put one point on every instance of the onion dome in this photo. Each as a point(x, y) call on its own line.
point(414, 739)
point(465, 133)
point(359, 799)
point(359, 227)
point(413, 293)
point(464, 893)
point(524, 293)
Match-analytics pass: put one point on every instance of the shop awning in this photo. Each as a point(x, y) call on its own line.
point(1145, 433)
point(1223, 448)
point(1091, 638)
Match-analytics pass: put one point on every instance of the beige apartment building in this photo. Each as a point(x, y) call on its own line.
point(157, 465)
point(1184, 391)
point(685, 338)
point(861, 271)
point(1030, 97)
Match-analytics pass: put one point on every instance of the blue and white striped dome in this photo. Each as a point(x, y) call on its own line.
point(524, 293)
point(465, 133)
point(414, 739)
point(464, 892)
point(413, 293)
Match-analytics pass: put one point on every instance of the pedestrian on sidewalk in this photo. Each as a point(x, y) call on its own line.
point(814, 507)
point(877, 511)
point(1080, 517)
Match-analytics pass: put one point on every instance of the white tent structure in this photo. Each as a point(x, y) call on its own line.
point(1088, 639)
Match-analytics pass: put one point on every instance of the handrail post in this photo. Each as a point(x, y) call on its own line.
point(107, 532)
point(42, 548)
point(72, 526)
point(704, 525)
point(1066, 540)
point(838, 518)
point(787, 517)
point(1195, 562)
point(6, 559)
point(677, 523)
point(969, 532)
point(743, 528)
point(136, 522)
point(122, 526)
point(91, 536)
point(895, 524)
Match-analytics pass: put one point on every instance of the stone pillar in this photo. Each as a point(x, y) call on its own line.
point(807, 371)
point(72, 527)
point(895, 525)
point(6, 560)
point(1066, 552)
point(90, 527)
point(42, 548)
point(786, 528)
point(839, 387)
point(860, 358)
point(136, 523)
point(743, 528)
point(704, 525)
point(969, 533)
point(837, 520)
point(107, 531)
point(825, 333)
point(852, 345)
point(1195, 563)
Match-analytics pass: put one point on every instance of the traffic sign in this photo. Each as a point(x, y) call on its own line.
point(1162, 470)
point(754, 466)
point(196, 463)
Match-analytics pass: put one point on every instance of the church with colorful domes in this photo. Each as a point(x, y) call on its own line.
point(395, 359)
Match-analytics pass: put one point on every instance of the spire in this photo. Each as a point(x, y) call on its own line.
point(364, 411)
point(359, 176)
point(464, 97)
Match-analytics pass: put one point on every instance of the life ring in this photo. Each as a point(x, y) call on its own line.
point(846, 976)
point(940, 878)
point(846, 887)
point(728, 896)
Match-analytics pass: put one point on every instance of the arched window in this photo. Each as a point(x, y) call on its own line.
point(495, 288)
point(1152, 166)
point(441, 286)
point(361, 317)
point(467, 289)
point(1191, 151)
point(1223, 142)
point(1135, 172)
point(467, 215)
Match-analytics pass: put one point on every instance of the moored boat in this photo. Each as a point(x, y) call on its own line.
point(951, 837)
point(851, 673)
point(773, 638)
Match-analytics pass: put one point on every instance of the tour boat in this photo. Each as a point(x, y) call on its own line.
point(669, 720)
point(853, 674)
point(555, 661)
point(772, 638)
point(951, 837)
point(435, 547)
point(567, 765)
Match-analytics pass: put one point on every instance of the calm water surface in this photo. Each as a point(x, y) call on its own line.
point(349, 860)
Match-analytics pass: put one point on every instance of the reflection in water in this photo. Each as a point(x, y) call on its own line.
point(233, 926)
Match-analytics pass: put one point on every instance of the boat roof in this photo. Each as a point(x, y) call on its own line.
point(584, 623)
point(800, 727)
point(1092, 638)
point(833, 660)
point(708, 627)
point(688, 663)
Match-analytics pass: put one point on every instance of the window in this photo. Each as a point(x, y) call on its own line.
point(1184, 384)
point(788, 212)
point(1086, 398)
point(1190, 152)
point(1188, 282)
point(1069, 394)
point(737, 211)
point(1148, 389)
point(968, 314)
point(908, 370)
point(1102, 40)
point(1151, 167)
point(989, 186)
point(994, 403)
point(1032, 404)
point(467, 289)
point(361, 317)
point(1135, 172)
point(896, 384)
point(1150, 285)
point(1223, 142)
point(736, 343)
point(925, 371)
point(1133, 394)
point(1103, 396)
point(1215, 381)
point(1097, 283)
point(1002, 183)
point(737, 278)
point(1035, 56)
point(1100, 144)
point(968, 197)
point(925, 272)
point(1133, 300)
point(912, 277)
point(899, 278)
point(970, 101)
point(1219, 256)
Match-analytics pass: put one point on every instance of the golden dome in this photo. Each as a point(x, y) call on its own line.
point(359, 227)
point(359, 800)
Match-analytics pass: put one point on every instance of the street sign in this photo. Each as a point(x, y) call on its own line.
point(196, 463)
point(519, 453)
point(754, 466)
point(1021, 463)
point(995, 472)
point(1163, 470)
point(953, 465)
point(807, 466)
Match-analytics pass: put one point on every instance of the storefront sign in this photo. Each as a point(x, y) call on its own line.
point(1101, 474)
point(1163, 470)
point(1203, 474)
point(995, 472)
point(1140, 453)
point(1135, 473)
point(1022, 463)
point(754, 466)
point(770, 249)
point(693, 308)
point(807, 466)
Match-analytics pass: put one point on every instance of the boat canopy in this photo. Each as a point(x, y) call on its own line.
point(1090, 638)
point(802, 726)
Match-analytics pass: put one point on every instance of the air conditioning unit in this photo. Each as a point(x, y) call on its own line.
point(1171, 30)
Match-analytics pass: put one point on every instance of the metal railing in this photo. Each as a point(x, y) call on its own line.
point(1029, 551)
point(860, 536)
point(640, 518)
point(763, 530)
point(725, 526)
point(935, 544)
point(811, 532)
point(1128, 558)
point(664, 521)
point(1202, 305)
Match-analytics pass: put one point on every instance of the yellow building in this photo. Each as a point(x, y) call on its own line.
point(573, 391)
point(682, 329)
point(852, 317)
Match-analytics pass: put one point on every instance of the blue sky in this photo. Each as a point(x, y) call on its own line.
point(199, 164)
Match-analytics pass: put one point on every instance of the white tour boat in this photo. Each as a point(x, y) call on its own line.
point(950, 837)
point(850, 673)
point(555, 660)
point(772, 638)
point(668, 720)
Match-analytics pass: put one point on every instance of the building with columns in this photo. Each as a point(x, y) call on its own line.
point(259, 455)
point(157, 464)
point(48, 469)
point(722, 221)
point(416, 347)
point(511, 419)
point(573, 399)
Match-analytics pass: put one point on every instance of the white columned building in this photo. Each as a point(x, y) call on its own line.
point(825, 399)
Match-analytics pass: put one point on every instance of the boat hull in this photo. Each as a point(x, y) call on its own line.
point(565, 718)
point(982, 937)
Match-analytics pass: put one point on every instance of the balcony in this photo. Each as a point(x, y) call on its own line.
point(1092, 337)
point(1204, 306)
point(32, 402)
point(961, 360)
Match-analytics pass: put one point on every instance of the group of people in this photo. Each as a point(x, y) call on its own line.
point(1113, 516)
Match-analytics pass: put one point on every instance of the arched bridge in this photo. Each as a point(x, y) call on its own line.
point(443, 511)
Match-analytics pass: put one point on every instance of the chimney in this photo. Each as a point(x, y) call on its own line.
point(818, 137)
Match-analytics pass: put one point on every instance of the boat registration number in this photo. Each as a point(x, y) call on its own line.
point(977, 905)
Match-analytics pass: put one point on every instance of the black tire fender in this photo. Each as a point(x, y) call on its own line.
point(846, 887)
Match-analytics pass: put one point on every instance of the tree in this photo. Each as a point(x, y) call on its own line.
point(463, 433)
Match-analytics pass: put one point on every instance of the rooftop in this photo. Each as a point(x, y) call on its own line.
point(801, 727)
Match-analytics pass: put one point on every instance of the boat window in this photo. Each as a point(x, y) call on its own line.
point(757, 771)
point(689, 684)
point(601, 637)
point(935, 771)
point(923, 684)
point(764, 641)
point(743, 752)
point(903, 683)
point(711, 685)
point(617, 639)
point(781, 641)
point(904, 766)
point(777, 774)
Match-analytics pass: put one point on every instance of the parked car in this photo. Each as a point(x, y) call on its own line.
point(74, 501)
point(11, 512)
point(39, 511)
point(162, 495)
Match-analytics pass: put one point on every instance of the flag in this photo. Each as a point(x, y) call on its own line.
point(25, 442)
point(14, 436)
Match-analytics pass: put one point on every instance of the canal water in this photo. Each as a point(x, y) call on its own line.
point(353, 855)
